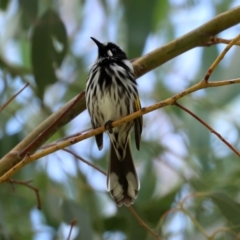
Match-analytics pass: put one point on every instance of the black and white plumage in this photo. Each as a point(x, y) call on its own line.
point(111, 93)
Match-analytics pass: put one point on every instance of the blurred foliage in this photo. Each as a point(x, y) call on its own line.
point(178, 155)
point(49, 29)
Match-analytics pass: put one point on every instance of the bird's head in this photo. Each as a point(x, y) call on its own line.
point(109, 50)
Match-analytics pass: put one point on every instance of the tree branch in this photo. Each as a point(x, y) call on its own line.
point(85, 161)
point(220, 57)
point(216, 40)
point(209, 128)
point(73, 223)
point(142, 65)
point(14, 96)
point(26, 184)
point(143, 224)
point(169, 101)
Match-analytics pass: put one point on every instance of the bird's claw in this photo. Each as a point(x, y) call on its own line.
point(108, 126)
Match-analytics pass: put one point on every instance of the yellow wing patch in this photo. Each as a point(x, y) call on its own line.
point(137, 104)
point(138, 123)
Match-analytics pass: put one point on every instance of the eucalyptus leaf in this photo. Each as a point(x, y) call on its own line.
point(229, 208)
point(49, 46)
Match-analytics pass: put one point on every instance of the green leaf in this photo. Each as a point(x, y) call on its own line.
point(48, 34)
point(29, 10)
point(229, 208)
point(161, 11)
point(51, 206)
point(138, 13)
point(134, 230)
point(115, 223)
point(8, 142)
point(148, 182)
point(4, 4)
point(25, 52)
point(153, 209)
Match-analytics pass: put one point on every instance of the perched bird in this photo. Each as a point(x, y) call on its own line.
point(111, 93)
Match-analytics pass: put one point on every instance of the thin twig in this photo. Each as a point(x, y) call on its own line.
point(64, 138)
point(85, 161)
point(14, 96)
point(165, 214)
point(26, 183)
point(220, 57)
point(186, 212)
point(194, 220)
point(143, 224)
point(209, 128)
point(194, 195)
point(223, 229)
point(73, 223)
point(217, 40)
point(181, 208)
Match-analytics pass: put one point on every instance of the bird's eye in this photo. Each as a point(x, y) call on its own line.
point(114, 50)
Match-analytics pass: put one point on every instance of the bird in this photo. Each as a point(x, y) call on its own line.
point(111, 94)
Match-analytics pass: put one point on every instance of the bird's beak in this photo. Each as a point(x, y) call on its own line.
point(99, 44)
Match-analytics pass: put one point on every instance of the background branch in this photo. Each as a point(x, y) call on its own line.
point(210, 128)
point(143, 224)
point(85, 161)
point(73, 223)
point(14, 96)
point(216, 40)
point(26, 184)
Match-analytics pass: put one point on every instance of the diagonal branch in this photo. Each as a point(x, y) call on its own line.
point(169, 101)
point(14, 96)
point(85, 161)
point(209, 128)
point(143, 224)
point(144, 64)
point(73, 223)
point(220, 57)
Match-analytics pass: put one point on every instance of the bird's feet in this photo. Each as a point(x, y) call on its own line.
point(108, 126)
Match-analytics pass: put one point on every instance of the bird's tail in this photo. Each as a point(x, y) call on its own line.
point(122, 179)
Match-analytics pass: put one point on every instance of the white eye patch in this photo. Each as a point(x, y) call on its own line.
point(109, 53)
